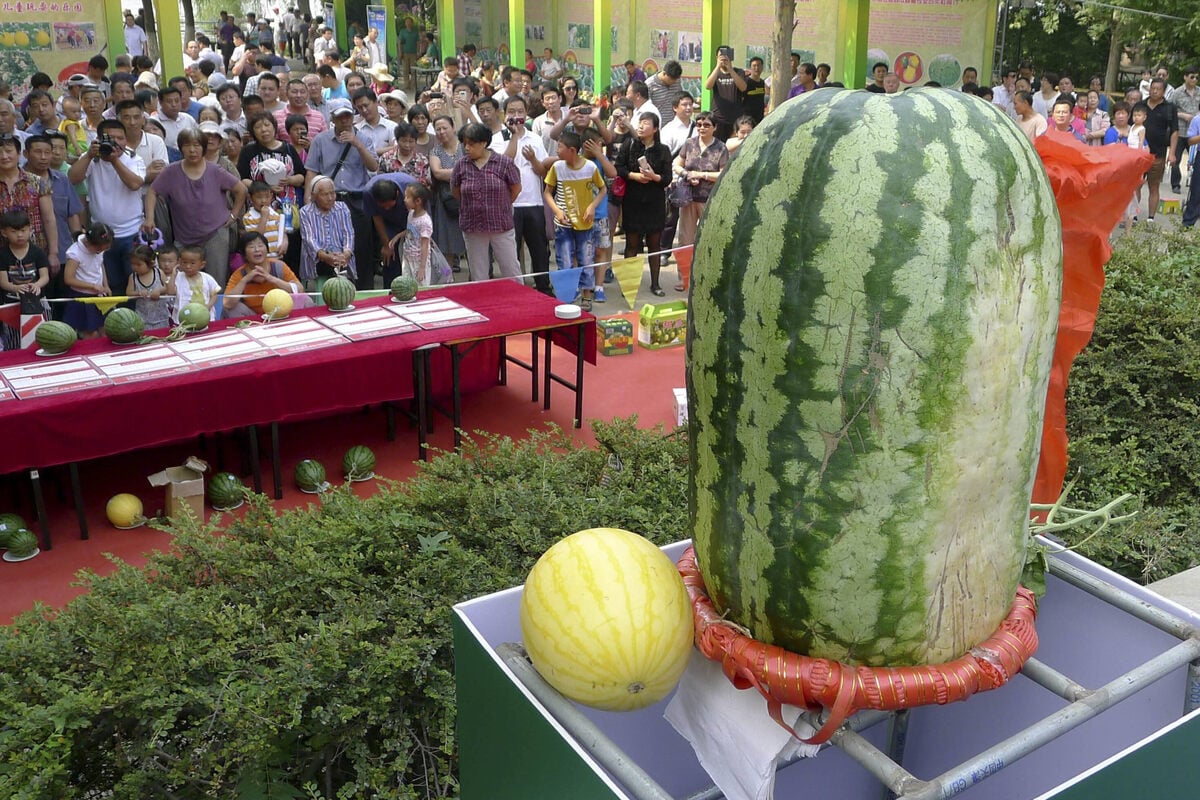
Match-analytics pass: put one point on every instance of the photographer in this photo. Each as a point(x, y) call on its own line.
point(581, 116)
point(528, 151)
point(728, 83)
point(114, 180)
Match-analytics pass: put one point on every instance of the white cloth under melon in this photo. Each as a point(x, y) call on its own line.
point(734, 737)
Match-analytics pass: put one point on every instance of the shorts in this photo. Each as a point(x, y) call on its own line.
point(602, 233)
point(1157, 170)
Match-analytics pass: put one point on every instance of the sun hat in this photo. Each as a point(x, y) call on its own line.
point(380, 73)
point(398, 95)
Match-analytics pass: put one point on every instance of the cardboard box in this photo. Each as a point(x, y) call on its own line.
point(663, 325)
point(614, 336)
point(681, 415)
point(185, 486)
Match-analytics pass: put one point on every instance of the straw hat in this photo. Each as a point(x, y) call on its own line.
point(380, 74)
point(147, 80)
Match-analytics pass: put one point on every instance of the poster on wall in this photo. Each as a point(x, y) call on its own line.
point(612, 34)
point(377, 19)
point(660, 44)
point(689, 48)
point(579, 36)
point(759, 51)
point(51, 37)
point(473, 20)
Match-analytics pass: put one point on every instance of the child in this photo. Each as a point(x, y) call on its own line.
point(24, 270)
point(146, 284)
point(262, 217)
point(573, 190)
point(85, 277)
point(418, 238)
point(168, 265)
point(192, 283)
point(72, 128)
point(1137, 140)
point(593, 148)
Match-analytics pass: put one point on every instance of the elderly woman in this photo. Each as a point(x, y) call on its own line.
point(200, 195)
point(700, 162)
point(486, 184)
point(445, 154)
point(258, 275)
point(26, 192)
point(404, 156)
point(327, 234)
point(214, 147)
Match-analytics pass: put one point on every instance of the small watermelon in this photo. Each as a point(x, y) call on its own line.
point(193, 317)
point(338, 293)
point(277, 304)
point(310, 477)
point(22, 544)
point(9, 524)
point(359, 463)
point(225, 491)
point(55, 337)
point(123, 326)
point(404, 288)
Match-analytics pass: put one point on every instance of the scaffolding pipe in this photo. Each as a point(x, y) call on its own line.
point(591, 738)
point(992, 760)
point(897, 740)
point(1191, 697)
point(1049, 678)
point(1123, 600)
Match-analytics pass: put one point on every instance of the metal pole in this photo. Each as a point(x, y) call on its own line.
point(992, 760)
point(584, 731)
point(1191, 698)
point(1050, 678)
point(897, 739)
point(1123, 600)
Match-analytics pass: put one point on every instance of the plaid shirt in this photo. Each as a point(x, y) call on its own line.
point(25, 194)
point(486, 205)
point(465, 64)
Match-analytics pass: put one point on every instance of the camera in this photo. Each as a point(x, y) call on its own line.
point(725, 50)
point(107, 146)
point(585, 110)
point(510, 121)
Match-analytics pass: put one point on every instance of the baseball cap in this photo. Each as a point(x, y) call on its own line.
point(338, 106)
point(396, 94)
point(216, 81)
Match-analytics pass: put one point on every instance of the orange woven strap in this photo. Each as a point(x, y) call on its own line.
point(785, 678)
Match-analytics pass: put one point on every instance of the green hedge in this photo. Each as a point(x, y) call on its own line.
point(1133, 405)
point(307, 654)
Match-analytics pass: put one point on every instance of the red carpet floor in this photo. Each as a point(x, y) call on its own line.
point(618, 386)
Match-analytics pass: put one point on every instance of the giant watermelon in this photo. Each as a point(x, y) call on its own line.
point(873, 308)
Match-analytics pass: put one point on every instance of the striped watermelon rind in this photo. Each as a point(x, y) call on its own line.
point(55, 337)
point(22, 544)
point(310, 477)
point(404, 288)
point(358, 464)
point(872, 318)
point(338, 293)
point(123, 326)
point(226, 491)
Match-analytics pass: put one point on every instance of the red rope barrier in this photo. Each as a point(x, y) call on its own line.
point(785, 678)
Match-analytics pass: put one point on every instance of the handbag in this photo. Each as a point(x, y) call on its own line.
point(449, 202)
point(618, 187)
point(679, 193)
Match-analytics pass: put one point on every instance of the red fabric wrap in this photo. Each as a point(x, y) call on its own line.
point(785, 678)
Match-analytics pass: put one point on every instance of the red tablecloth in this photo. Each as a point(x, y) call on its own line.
point(77, 426)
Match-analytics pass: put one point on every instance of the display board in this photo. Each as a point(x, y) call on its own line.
point(56, 38)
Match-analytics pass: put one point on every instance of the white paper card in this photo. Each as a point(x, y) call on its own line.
point(53, 377)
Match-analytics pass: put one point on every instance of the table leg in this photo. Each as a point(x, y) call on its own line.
point(503, 360)
point(39, 505)
point(77, 495)
point(533, 366)
point(276, 466)
point(579, 375)
point(255, 466)
point(421, 390)
point(389, 412)
point(456, 388)
point(546, 370)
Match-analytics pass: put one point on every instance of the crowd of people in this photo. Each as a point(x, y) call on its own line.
point(240, 176)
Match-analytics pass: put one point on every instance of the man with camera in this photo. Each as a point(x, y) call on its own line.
point(527, 150)
point(114, 178)
point(727, 83)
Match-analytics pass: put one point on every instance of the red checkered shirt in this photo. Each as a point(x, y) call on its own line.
point(486, 204)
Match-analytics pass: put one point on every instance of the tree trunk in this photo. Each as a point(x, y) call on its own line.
point(189, 20)
point(1115, 47)
point(781, 56)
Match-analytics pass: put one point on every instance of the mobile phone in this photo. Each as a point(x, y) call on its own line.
point(644, 164)
point(726, 51)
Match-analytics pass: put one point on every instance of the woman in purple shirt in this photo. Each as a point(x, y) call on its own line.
point(204, 200)
point(486, 184)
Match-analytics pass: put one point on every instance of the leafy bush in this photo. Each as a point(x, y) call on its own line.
point(307, 654)
point(1133, 402)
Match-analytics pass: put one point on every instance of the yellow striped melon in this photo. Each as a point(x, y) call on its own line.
point(606, 620)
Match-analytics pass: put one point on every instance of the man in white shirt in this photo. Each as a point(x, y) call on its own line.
point(679, 129)
point(135, 38)
point(323, 44)
point(510, 84)
point(373, 48)
point(552, 102)
point(170, 116)
point(639, 95)
point(295, 22)
point(268, 90)
point(207, 53)
point(149, 147)
point(550, 69)
point(1002, 95)
point(375, 129)
point(231, 104)
point(286, 23)
point(529, 213)
point(114, 195)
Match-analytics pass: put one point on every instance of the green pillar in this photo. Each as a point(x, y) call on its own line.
point(447, 41)
point(114, 19)
point(712, 34)
point(393, 41)
point(170, 40)
point(850, 56)
point(341, 29)
point(516, 33)
point(989, 50)
point(602, 46)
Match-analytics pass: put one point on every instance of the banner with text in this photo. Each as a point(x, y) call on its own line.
point(377, 19)
point(56, 38)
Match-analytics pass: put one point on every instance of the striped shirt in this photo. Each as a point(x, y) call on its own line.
point(326, 231)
